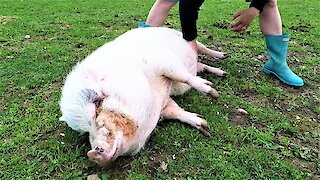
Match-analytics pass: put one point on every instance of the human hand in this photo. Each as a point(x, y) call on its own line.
point(243, 19)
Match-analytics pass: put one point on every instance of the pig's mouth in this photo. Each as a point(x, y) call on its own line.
point(103, 157)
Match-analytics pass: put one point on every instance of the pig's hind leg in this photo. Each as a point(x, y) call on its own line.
point(211, 53)
point(173, 111)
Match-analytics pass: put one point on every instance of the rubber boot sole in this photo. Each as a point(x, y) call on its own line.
point(268, 72)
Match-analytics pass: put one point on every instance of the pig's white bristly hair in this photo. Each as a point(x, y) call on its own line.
point(129, 72)
point(107, 76)
point(77, 110)
point(73, 104)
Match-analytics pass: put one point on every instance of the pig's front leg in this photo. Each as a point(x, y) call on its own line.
point(180, 74)
point(173, 111)
point(205, 68)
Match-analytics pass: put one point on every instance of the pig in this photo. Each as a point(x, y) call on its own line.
point(120, 92)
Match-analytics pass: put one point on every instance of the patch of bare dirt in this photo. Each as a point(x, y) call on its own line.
point(157, 160)
point(108, 26)
point(9, 92)
point(301, 28)
point(44, 136)
point(222, 24)
point(263, 57)
point(6, 19)
point(120, 168)
point(64, 26)
point(57, 85)
point(238, 120)
point(9, 47)
point(116, 170)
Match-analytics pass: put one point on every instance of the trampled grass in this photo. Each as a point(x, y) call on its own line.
point(41, 40)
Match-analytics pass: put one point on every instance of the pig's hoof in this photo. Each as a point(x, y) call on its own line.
point(221, 56)
point(214, 94)
point(204, 128)
point(225, 56)
point(206, 82)
point(224, 74)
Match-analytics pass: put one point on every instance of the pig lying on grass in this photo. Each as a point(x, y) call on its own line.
point(119, 92)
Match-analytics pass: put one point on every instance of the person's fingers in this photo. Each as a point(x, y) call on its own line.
point(241, 23)
point(236, 28)
point(236, 24)
point(236, 15)
point(242, 29)
point(239, 28)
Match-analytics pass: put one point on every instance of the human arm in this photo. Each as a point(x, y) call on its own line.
point(245, 17)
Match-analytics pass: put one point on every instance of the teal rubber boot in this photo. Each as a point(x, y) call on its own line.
point(143, 25)
point(277, 47)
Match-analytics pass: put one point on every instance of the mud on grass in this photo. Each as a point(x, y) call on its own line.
point(296, 129)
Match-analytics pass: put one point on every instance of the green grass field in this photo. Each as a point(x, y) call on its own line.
point(40, 41)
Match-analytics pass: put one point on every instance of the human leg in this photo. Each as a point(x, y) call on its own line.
point(188, 11)
point(159, 12)
point(270, 20)
point(277, 45)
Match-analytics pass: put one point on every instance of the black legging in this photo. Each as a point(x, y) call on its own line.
point(188, 10)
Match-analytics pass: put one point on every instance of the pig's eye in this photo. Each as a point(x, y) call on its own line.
point(104, 130)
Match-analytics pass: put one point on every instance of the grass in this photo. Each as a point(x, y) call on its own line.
point(278, 139)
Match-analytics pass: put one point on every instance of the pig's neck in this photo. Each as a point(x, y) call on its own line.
point(143, 104)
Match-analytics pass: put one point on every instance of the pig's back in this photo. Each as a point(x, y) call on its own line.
point(156, 47)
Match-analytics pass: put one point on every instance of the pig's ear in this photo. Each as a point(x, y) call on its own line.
point(89, 95)
point(93, 74)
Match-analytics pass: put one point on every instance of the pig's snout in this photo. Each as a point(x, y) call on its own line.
point(104, 156)
point(99, 150)
point(100, 156)
point(95, 152)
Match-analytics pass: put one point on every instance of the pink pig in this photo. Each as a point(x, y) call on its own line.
point(121, 90)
